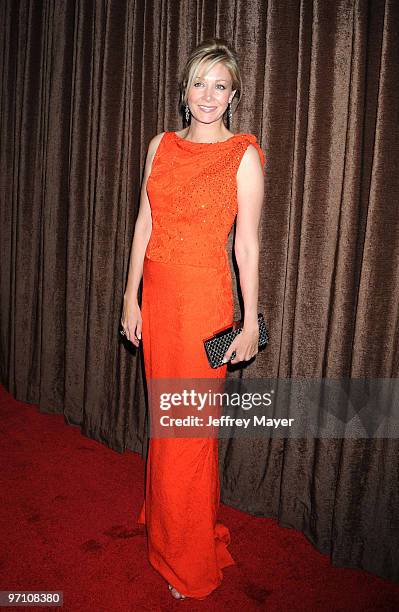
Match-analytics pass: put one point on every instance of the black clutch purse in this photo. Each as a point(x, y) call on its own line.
point(217, 345)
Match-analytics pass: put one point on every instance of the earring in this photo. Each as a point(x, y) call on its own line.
point(229, 113)
point(187, 113)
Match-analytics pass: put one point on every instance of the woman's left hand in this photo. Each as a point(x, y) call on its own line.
point(245, 345)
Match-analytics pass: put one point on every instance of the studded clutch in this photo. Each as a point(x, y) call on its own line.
point(217, 345)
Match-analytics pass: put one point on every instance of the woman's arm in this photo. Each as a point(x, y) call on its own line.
point(250, 195)
point(131, 316)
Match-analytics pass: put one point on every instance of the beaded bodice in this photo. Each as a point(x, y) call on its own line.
point(192, 191)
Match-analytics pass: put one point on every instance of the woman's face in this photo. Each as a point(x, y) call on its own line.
point(209, 94)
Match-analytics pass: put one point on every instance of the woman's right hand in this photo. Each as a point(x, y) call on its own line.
point(131, 320)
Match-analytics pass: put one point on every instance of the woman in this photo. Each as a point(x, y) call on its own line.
point(196, 182)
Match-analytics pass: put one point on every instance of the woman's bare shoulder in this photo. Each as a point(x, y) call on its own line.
point(154, 142)
point(152, 148)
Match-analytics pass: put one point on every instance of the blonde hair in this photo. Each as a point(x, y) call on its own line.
point(212, 50)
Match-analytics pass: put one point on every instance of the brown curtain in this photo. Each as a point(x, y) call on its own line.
point(85, 85)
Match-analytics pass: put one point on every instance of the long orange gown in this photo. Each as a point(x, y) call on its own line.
point(187, 296)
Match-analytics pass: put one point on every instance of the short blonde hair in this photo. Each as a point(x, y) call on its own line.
point(212, 50)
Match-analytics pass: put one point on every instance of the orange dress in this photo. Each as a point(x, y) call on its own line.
point(187, 295)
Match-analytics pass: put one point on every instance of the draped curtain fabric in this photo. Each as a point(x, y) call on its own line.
point(85, 85)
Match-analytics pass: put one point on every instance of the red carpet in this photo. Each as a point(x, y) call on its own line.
point(67, 523)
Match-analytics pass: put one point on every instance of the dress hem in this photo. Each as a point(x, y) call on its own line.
point(223, 556)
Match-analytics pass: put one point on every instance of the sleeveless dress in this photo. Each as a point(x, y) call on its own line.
point(187, 296)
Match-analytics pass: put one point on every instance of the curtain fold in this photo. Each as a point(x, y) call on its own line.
point(85, 86)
